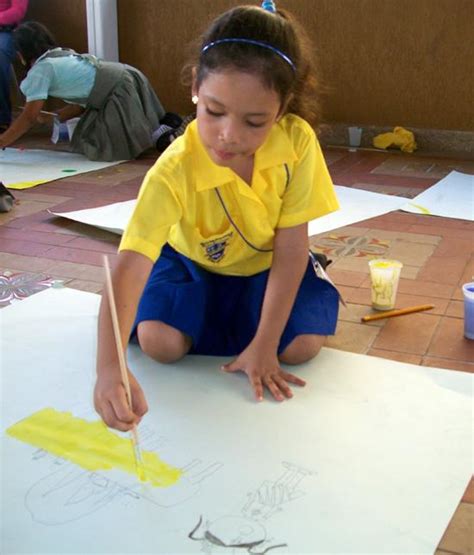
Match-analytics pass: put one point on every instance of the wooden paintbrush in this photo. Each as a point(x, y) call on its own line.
point(123, 368)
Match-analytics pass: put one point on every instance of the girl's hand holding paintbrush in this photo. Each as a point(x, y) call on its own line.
point(110, 400)
point(118, 408)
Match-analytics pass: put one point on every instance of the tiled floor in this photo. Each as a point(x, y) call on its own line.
point(36, 249)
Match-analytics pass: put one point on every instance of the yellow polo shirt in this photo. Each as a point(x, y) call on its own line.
point(178, 201)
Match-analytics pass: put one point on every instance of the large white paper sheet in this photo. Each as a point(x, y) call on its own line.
point(371, 457)
point(452, 197)
point(22, 169)
point(355, 205)
point(111, 217)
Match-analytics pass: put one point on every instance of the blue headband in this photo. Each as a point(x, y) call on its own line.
point(282, 55)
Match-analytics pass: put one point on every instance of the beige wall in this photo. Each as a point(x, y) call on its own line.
point(65, 18)
point(385, 62)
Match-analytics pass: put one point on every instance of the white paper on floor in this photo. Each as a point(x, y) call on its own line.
point(25, 168)
point(111, 217)
point(372, 456)
point(452, 197)
point(355, 205)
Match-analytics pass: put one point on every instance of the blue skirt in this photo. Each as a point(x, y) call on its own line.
point(221, 313)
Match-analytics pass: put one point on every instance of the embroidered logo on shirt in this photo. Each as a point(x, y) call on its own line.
point(215, 249)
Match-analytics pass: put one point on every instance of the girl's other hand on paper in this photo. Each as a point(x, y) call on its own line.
point(263, 371)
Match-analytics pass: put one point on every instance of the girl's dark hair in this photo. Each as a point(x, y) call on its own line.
point(32, 39)
point(279, 30)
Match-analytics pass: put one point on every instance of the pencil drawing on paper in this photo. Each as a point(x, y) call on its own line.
point(246, 531)
point(67, 493)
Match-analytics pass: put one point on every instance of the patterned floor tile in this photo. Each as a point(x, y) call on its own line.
point(410, 253)
point(336, 245)
point(404, 237)
point(19, 285)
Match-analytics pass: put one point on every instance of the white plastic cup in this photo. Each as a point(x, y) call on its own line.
point(384, 276)
point(71, 126)
point(355, 135)
point(468, 292)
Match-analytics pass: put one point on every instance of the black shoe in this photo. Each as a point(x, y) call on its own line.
point(321, 258)
point(6, 199)
point(166, 133)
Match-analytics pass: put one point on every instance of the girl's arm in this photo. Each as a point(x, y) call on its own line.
point(63, 114)
point(70, 111)
point(128, 279)
point(260, 360)
point(23, 123)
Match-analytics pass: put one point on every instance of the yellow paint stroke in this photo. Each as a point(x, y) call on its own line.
point(422, 209)
point(91, 445)
point(26, 184)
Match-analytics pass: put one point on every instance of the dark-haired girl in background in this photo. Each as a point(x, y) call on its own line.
point(117, 106)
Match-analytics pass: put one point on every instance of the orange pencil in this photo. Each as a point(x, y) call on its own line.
point(397, 312)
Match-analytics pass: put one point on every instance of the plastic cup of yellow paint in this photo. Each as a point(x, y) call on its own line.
point(384, 276)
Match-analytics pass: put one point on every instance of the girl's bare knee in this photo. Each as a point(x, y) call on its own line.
point(162, 342)
point(302, 349)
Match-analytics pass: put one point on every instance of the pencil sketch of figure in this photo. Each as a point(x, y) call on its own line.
point(233, 533)
point(188, 486)
point(67, 492)
point(270, 497)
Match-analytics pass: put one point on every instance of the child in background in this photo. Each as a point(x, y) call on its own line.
point(11, 13)
point(117, 106)
point(215, 255)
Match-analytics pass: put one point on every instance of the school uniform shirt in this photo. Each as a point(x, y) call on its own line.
point(179, 203)
point(69, 78)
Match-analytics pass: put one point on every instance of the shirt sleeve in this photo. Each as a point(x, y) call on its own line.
point(38, 81)
point(310, 192)
point(15, 13)
point(156, 211)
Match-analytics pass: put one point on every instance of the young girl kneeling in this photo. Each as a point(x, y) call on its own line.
point(215, 256)
point(117, 106)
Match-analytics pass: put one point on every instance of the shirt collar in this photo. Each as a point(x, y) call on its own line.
point(275, 151)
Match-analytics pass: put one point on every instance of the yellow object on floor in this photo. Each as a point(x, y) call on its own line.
point(91, 445)
point(400, 137)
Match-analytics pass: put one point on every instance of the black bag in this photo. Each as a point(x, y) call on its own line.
point(6, 199)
